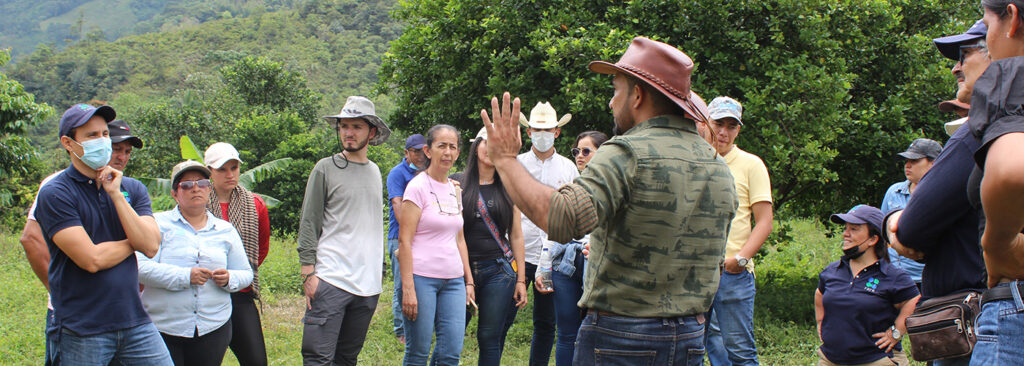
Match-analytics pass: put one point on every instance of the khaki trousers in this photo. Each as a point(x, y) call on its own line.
point(898, 359)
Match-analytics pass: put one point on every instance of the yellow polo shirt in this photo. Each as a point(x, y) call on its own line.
point(752, 186)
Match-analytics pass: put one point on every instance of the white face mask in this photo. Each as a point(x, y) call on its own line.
point(543, 141)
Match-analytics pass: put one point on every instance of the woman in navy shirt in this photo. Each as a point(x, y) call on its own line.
point(862, 301)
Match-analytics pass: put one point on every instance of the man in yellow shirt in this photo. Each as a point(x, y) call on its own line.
point(730, 336)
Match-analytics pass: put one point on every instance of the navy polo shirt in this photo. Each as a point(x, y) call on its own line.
point(91, 303)
point(398, 178)
point(857, 306)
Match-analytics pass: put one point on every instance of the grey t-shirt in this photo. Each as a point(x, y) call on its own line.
point(342, 226)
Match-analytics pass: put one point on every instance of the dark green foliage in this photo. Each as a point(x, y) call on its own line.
point(830, 89)
point(20, 166)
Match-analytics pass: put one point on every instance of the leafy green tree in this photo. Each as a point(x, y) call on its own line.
point(19, 165)
point(831, 90)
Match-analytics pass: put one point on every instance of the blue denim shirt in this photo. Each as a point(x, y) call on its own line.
point(177, 307)
point(896, 198)
point(563, 256)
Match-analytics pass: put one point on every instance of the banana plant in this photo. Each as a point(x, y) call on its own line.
point(160, 188)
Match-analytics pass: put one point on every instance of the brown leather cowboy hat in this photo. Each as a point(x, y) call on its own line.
point(663, 67)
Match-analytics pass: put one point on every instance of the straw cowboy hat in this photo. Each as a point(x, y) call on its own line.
point(543, 117)
point(360, 107)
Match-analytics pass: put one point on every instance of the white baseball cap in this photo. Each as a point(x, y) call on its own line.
point(219, 153)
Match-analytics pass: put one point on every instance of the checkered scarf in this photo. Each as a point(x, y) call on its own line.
point(242, 214)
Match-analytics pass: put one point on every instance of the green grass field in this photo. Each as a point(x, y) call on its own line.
point(780, 341)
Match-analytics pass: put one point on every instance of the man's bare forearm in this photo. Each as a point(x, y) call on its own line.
point(36, 252)
point(142, 232)
point(531, 196)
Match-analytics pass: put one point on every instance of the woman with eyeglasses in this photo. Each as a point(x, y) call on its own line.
point(189, 280)
point(437, 283)
point(997, 121)
point(568, 265)
point(494, 239)
point(586, 146)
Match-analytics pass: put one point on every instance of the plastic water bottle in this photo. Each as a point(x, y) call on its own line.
point(543, 280)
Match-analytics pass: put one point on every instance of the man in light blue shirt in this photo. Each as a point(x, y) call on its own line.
point(188, 282)
point(919, 156)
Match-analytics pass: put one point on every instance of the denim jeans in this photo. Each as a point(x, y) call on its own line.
point(441, 306)
point(396, 297)
point(568, 315)
point(543, 321)
point(47, 333)
point(139, 345)
point(620, 340)
point(730, 334)
point(1000, 330)
point(495, 286)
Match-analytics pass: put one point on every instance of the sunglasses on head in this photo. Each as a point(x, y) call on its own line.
point(188, 184)
point(585, 151)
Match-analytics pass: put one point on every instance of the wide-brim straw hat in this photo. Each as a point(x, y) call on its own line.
point(543, 117)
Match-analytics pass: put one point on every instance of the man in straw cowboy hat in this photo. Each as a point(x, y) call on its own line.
point(545, 165)
point(340, 238)
point(658, 200)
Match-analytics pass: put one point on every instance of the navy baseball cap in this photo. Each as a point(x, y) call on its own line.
point(950, 46)
point(416, 141)
point(79, 114)
point(120, 132)
point(861, 214)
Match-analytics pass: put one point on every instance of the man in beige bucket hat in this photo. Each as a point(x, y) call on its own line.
point(658, 200)
point(340, 238)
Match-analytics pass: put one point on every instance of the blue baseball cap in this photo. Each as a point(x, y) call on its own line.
point(79, 114)
point(861, 214)
point(416, 141)
point(950, 46)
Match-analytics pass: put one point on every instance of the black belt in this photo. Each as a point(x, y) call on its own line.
point(1000, 293)
point(699, 317)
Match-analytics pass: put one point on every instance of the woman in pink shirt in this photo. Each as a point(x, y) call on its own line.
point(437, 283)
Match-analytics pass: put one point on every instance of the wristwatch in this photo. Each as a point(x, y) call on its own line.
point(741, 261)
point(896, 333)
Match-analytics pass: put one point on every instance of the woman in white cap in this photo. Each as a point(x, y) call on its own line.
point(248, 214)
point(437, 283)
point(199, 263)
point(494, 241)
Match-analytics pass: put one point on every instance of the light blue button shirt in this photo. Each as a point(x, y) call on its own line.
point(177, 307)
point(896, 197)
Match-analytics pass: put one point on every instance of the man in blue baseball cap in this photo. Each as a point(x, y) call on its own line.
point(93, 220)
point(939, 225)
point(398, 178)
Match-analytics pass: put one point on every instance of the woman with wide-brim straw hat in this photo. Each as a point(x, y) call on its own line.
point(248, 214)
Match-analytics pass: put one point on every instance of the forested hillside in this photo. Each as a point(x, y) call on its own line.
point(62, 22)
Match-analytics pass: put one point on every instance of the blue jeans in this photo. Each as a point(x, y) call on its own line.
point(730, 333)
point(620, 340)
point(568, 315)
point(1000, 330)
point(441, 303)
point(48, 332)
point(396, 298)
point(139, 345)
point(543, 321)
point(495, 286)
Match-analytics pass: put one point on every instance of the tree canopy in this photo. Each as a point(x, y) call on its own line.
point(831, 90)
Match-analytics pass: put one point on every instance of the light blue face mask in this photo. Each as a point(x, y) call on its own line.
point(96, 152)
point(413, 166)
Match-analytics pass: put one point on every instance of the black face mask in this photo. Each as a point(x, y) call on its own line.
point(854, 252)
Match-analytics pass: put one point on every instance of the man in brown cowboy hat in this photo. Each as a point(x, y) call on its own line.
point(340, 238)
point(658, 200)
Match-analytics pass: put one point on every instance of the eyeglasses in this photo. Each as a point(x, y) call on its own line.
point(188, 184)
point(576, 151)
point(981, 46)
point(448, 209)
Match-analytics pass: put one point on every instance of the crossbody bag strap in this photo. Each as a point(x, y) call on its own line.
point(493, 229)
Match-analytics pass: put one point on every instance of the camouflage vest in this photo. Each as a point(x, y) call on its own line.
point(659, 255)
